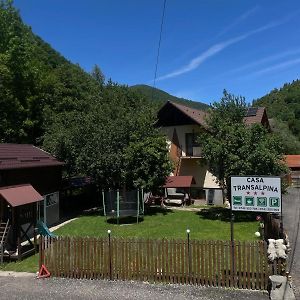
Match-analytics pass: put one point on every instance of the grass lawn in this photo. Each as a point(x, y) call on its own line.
point(209, 224)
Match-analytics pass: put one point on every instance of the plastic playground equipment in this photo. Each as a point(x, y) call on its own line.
point(120, 204)
point(44, 230)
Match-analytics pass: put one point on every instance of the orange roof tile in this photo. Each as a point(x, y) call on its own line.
point(293, 161)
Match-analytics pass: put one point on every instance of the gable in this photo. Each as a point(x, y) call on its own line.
point(172, 114)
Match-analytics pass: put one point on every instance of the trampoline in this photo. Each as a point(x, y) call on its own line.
point(117, 204)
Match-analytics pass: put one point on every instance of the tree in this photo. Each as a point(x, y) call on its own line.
point(233, 148)
point(98, 75)
point(115, 141)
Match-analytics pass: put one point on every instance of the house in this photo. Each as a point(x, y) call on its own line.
point(27, 164)
point(181, 125)
point(293, 163)
point(30, 179)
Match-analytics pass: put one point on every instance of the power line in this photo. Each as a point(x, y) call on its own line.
point(158, 49)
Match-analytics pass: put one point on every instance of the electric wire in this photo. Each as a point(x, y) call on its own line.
point(158, 49)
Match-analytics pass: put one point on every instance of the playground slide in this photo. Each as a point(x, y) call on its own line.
point(44, 230)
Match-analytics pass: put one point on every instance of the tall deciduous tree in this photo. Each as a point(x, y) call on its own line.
point(233, 148)
point(115, 141)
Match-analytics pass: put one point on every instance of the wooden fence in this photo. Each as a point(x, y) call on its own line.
point(199, 262)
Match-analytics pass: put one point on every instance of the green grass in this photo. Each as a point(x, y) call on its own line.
point(210, 224)
point(29, 264)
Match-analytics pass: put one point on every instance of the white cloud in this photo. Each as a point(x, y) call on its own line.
point(240, 19)
point(279, 66)
point(264, 60)
point(215, 49)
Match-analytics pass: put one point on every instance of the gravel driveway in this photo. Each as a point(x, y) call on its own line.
point(59, 288)
point(291, 216)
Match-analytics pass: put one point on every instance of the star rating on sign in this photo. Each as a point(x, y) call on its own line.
point(255, 193)
point(248, 193)
point(262, 193)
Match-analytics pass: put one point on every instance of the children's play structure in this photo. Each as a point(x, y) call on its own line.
point(18, 215)
point(44, 230)
point(119, 204)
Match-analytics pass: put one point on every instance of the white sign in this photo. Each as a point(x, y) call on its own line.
point(256, 193)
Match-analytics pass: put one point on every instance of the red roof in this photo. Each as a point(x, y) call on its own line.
point(293, 161)
point(179, 181)
point(20, 194)
point(17, 156)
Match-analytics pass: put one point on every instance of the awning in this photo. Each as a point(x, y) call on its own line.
point(179, 181)
point(20, 194)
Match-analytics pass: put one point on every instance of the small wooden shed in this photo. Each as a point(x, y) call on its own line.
point(30, 181)
point(18, 214)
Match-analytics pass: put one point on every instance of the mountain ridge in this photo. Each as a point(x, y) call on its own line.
point(161, 97)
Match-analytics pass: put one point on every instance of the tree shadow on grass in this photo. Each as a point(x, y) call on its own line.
point(223, 214)
point(157, 210)
point(125, 220)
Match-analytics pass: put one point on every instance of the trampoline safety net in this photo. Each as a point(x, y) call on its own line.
point(117, 204)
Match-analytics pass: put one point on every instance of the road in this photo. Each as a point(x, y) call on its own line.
point(291, 217)
point(64, 289)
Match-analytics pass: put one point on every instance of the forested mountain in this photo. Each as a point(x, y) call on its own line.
point(98, 128)
point(34, 81)
point(160, 97)
point(283, 106)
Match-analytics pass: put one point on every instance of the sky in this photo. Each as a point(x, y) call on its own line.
point(247, 47)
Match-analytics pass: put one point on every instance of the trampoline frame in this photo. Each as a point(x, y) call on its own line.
point(121, 213)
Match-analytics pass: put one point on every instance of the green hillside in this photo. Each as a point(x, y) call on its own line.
point(36, 81)
point(160, 97)
point(283, 106)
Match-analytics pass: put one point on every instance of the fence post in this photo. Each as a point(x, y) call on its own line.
point(232, 250)
point(189, 254)
point(41, 252)
point(109, 253)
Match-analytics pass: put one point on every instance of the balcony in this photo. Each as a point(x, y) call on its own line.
point(193, 152)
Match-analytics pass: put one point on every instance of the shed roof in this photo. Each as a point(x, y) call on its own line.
point(293, 161)
point(20, 194)
point(17, 156)
point(179, 181)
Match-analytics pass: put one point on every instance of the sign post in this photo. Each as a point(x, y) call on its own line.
point(254, 194)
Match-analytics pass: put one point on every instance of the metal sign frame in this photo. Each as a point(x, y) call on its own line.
point(255, 193)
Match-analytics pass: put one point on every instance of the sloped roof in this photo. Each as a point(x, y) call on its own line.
point(179, 181)
point(20, 194)
point(293, 161)
point(18, 156)
point(255, 118)
point(187, 115)
point(195, 114)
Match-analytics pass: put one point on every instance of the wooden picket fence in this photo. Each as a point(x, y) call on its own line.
point(201, 262)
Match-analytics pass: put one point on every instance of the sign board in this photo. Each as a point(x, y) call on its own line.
point(256, 193)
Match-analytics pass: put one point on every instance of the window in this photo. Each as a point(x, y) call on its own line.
point(190, 142)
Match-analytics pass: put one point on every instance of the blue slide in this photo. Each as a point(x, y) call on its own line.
point(44, 230)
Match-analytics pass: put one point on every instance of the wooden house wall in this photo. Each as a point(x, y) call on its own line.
point(45, 180)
